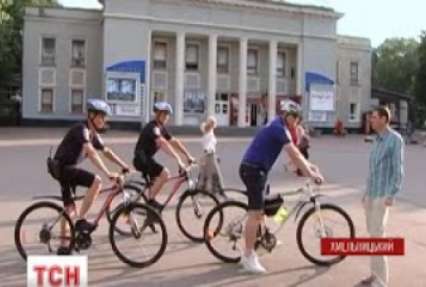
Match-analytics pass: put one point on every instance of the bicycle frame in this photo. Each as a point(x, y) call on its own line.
point(113, 191)
point(178, 179)
point(307, 197)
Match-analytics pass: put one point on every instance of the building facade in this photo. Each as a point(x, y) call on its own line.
point(235, 59)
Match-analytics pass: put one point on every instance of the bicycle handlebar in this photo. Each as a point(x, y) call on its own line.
point(306, 185)
point(184, 172)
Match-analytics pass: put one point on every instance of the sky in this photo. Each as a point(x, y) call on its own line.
point(373, 19)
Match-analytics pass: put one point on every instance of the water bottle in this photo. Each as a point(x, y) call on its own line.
point(281, 216)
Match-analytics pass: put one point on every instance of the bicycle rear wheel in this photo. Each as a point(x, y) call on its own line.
point(337, 223)
point(223, 230)
point(38, 230)
point(131, 193)
point(145, 236)
point(191, 211)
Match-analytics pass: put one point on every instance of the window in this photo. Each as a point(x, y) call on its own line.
point(46, 105)
point(293, 73)
point(192, 57)
point(48, 51)
point(252, 62)
point(77, 99)
point(225, 109)
point(223, 60)
point(78, 53)
point(160, 56)
point(354, 73)
point(281, 63)
point(121, 90)
point(353, 112)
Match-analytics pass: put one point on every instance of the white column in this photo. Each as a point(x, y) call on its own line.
point(242, 92)
point(180, 71)
point(300, 89)
point(146, 102)
point(272, 97)
point(212, 75)
point(299, 79)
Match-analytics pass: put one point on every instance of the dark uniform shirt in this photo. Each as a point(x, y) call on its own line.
point(70, 150)
point(147, 139)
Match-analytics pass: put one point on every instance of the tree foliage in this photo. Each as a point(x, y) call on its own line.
point(420, 86)
point(395, 65)
point(11, 31)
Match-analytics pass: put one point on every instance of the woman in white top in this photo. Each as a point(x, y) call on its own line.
point(210, 176)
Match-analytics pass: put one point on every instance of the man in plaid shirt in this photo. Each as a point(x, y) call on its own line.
point(383, 183)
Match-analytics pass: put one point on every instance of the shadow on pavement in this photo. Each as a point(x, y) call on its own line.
point(12, 268)
point(219, 276)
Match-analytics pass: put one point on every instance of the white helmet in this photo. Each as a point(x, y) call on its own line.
point(163, 106)
point(98, 106)
point(290, 106)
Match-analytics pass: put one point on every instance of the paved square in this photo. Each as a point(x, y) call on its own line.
point(343, 161)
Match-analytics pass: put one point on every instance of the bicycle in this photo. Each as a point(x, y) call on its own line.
point(46, 221)
point(192, 207)
point(312, 220)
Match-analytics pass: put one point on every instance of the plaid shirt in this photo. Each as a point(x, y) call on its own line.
point(386, 165)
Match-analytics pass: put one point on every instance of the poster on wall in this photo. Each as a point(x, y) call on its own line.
point(194, 102)
point(322, 98)
point(121, 90)
point(124, 86)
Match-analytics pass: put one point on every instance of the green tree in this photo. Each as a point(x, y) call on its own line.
point(420, 87)
point(11, 31)
point(395, 64)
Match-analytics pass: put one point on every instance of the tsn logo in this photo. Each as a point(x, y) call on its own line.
point(57, 271)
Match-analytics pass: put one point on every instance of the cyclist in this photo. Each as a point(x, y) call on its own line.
point(256, 163)
point(82, 141)
point(153, 137)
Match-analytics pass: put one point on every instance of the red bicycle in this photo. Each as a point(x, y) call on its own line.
point(39, 230)
point(192, 207)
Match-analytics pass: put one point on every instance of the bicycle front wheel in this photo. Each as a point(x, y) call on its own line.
point(144, 239)
point(191, 212)
point(42, 228)
point(331, 221)
point(130, 194)
point(223, 230)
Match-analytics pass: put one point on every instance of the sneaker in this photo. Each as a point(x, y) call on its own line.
point(63, 250)
point(156, 205)
point(84, 226)
point(151, 218)
point(251, 264)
